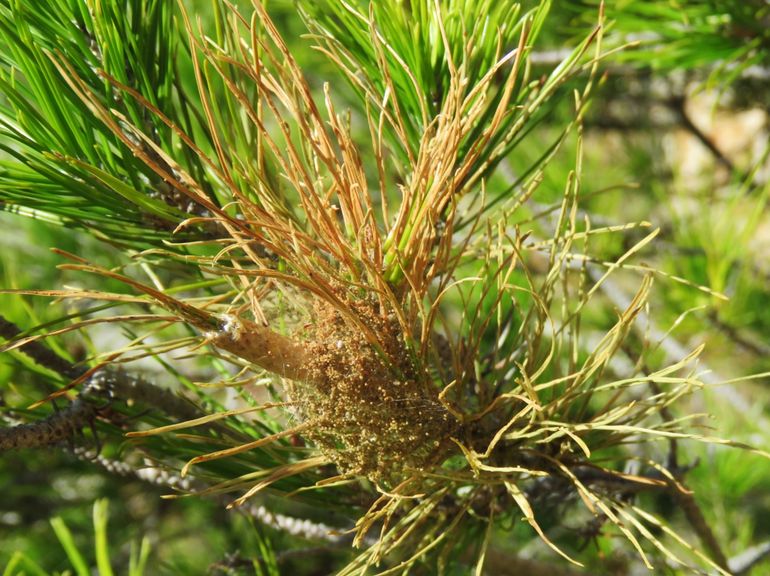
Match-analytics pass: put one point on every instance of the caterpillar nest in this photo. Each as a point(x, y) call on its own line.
point(376, 415)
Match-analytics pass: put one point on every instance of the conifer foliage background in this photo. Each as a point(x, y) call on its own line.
point(403, 287)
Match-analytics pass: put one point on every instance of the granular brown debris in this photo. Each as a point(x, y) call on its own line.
point(377, 415)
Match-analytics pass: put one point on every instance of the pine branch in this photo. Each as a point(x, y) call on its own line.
point(550, 58)
point(102, 386)
point(157, 476)
point(742, 564)
point(58, 427)
point(678, 106)
point(694, 515)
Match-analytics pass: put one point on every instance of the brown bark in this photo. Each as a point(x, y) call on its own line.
point(265, 348)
